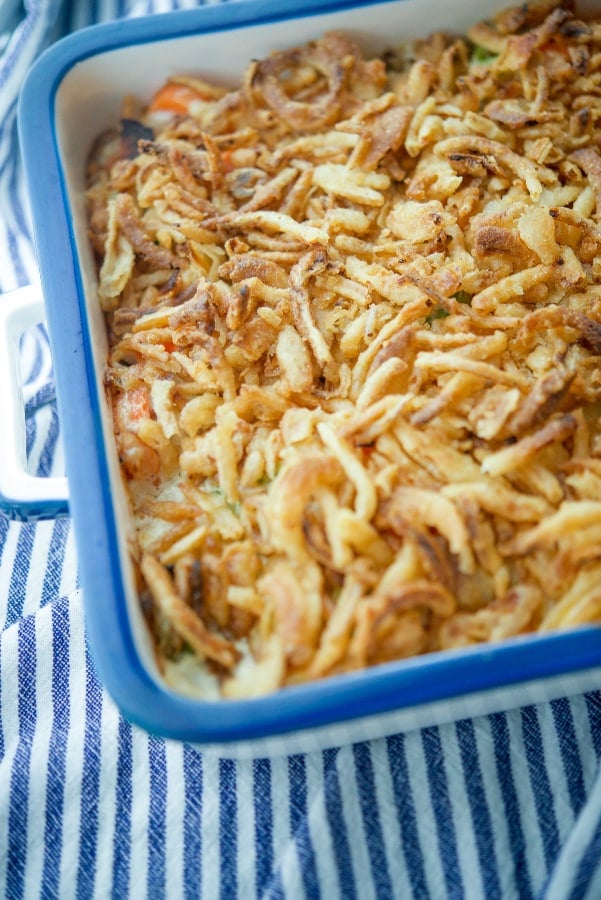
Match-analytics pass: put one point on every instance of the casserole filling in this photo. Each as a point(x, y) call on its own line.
point(354, 317)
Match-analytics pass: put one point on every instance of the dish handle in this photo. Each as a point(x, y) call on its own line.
point(23, 496)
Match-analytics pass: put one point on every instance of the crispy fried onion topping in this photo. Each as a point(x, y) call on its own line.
point(354, 321)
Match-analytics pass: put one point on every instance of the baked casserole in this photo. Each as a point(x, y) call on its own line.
point(354, 317)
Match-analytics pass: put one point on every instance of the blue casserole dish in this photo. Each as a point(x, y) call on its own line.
point(70, 95)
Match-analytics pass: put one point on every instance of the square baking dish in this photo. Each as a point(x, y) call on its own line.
point(72, 93)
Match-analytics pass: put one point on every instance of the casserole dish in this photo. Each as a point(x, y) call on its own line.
point(72, 94)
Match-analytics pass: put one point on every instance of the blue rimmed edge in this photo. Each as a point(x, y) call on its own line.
point(18, 502)
point(32, 510)
point(366, 693)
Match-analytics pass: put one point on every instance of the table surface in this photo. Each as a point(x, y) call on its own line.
point(506, 805)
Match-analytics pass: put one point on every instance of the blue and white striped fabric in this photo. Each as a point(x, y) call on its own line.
point(502, 806)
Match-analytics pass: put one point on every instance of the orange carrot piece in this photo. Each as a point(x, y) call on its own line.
point(138, 403)
point(174, 97)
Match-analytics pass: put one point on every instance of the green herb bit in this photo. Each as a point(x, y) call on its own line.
point(463, 297)
point(232, 505)
point(438, 313)
point(481, 56)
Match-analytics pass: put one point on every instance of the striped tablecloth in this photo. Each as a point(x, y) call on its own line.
point(506, 805)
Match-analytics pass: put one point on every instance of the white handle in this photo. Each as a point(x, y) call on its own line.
point(22, 495)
